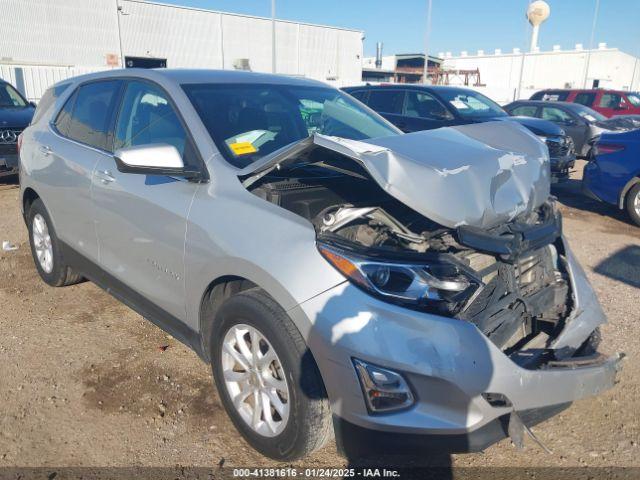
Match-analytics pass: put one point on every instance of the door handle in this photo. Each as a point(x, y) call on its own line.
point(45, 150)
point(106, 177)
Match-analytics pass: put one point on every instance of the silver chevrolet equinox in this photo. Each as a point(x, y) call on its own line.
point(405, 292)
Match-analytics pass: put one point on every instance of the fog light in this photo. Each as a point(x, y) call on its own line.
point(384, 390)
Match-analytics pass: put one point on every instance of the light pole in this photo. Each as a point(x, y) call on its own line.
point(426, 41)
point(593, 32)
point(273, 36)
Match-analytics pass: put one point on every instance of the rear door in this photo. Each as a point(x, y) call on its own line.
point(422, 111)
point(141, 220)
point(68, 153)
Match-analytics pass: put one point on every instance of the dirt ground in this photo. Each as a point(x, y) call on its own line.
point(84, 381)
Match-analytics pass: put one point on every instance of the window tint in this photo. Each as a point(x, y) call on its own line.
point(64, 117)
point(610, 100)
point(48, 98)
point(386, 101)
point(92, 112)
point(556, 115)
point(146, 118)
point(525, 110)
point(423, 105)
point(585, 98)
point(360, 95)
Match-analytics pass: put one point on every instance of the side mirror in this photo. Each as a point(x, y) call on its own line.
point(621, 106)
point(153, 159)
point(33, 104)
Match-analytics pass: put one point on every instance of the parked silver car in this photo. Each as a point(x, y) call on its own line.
point(414, 287)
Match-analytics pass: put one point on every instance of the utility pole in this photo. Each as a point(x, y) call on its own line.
point(118, 13)
point(426, 42)
point(273, 36)
point(593, 32)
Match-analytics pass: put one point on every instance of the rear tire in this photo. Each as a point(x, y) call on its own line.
point(305, 423)
point(45, 248)
point(632, 204)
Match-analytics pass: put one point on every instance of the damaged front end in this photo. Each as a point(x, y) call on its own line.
point(457, 222)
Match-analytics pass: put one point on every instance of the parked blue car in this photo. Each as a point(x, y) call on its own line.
point(613, 174)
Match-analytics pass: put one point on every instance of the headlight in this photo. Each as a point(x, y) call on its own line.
point(438, 285)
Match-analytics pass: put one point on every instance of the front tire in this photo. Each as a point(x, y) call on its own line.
point(267, 378)
point(45, 248)
point(632, 204)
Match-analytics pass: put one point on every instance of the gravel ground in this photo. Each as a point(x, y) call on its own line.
point(84, 381)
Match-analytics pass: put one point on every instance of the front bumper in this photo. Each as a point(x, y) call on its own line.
point(8, 164)
point(449, 365)
point(561, 168)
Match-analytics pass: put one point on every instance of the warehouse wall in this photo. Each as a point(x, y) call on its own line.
point(53, 39)
point(556, 69)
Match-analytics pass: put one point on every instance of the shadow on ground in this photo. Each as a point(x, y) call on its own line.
point(570, 193)
point(623, 265)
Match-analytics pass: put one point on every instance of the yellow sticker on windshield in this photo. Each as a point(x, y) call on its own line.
point(242, 148)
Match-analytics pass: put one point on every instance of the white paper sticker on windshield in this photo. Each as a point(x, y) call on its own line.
point(459, 104)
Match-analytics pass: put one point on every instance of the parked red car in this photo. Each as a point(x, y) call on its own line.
point(608, 102)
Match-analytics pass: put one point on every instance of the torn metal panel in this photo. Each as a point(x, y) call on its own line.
point(479, 175)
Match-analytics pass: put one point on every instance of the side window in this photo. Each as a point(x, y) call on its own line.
point(525, 111)
point(48, 98)
point(555, 96)
point(386, 101)
point(423, 105)
point(610, 100)
point(556, 115)
point(63, 120)
point(92, 113)
point(147, 117)
point(360, 95)
point(585, 98)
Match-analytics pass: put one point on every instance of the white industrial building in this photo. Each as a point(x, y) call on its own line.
point(44, 41)
point(513, 75)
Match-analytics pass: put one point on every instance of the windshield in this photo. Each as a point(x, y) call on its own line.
point(633, 99)
point(9, 97)
point(588, 113)
point(249, 121)
point(471, 104)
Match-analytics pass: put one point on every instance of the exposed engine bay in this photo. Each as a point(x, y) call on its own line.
point(510, 280)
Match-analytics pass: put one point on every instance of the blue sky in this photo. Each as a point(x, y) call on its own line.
point(456, 24)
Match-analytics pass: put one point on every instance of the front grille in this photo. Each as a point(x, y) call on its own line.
point(559, 146)
point(9, 140)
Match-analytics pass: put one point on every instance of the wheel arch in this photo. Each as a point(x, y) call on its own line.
point(215, 294)
point(623, 194)
point(28, 197)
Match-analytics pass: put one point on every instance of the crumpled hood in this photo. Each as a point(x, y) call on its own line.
point(479, 175)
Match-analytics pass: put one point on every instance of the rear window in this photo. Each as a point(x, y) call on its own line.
point(551, 96)
point(386, 101)
point(48, 99)
point(92, 110)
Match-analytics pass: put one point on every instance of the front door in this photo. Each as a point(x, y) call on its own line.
point(141, 219)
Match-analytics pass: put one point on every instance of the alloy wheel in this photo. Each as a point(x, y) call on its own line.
point(42, 243)
point(255, 380)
